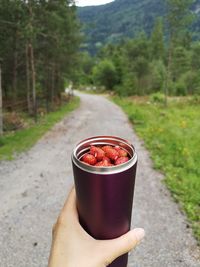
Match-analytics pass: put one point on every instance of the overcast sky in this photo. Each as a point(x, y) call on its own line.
point(92, 2)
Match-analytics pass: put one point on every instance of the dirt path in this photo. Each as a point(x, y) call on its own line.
point(33, 189)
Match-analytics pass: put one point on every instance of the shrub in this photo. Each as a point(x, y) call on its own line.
point(105, 74)
point(181, 88)
point(129, 85)
point(191, 80)
point(12, 121)
point(157, 75)
point(157, 98)
point(195, 99)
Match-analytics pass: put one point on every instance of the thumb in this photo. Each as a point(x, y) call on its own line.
point(114, 248)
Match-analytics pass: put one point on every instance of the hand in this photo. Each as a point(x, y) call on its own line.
point(72, 246)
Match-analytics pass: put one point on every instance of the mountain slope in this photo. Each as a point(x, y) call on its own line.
point(122, 18)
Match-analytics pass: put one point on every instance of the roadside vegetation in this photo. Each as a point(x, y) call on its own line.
point(15, 142)
point(172, 137)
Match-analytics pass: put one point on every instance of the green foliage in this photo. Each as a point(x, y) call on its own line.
point(191, 82)
point(172, 137)
point(105, 74)
point(179, 17)
point(39, 43)
point(181, 62)
point(84, 70)
point(129, 85)
point(180, 88)
point(22, 140)
point(195, 60)
point(157, 98)
point(195, 99)
point(126, 18)
point(157, 40)
point(157, 70)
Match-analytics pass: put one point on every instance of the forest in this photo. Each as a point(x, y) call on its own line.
point(165, 62)
point(39, 46)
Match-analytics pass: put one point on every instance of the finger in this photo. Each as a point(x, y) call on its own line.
point(119, 246)
point(69, 207)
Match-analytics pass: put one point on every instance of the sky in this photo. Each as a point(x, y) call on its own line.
point(92, 2)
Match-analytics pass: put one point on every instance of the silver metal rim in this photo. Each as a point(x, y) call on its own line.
point(99, 140)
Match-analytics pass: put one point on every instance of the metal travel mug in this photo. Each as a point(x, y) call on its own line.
point(105, 194)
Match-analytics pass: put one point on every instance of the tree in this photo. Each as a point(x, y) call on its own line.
point(179, 17)
point(137, 57)
point(157, 40)
point(195, 59)
point(157, 75)
point(105, 74)
point(181, 62)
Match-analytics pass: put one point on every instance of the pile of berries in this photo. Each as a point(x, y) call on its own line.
point(105, 156)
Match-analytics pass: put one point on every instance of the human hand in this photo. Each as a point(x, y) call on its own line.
point(72, 246)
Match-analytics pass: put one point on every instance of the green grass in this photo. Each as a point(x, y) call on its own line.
point(16, 142)
point(172, 135)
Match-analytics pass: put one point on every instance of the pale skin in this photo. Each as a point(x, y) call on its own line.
point(73, 247)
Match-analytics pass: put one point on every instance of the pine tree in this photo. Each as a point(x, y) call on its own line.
point(179, 17)
point(157, 40)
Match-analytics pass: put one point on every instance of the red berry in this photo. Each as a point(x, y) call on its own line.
point(107, 159)
point(89, 159)
point(122, 152)
point(117, 148)
point(103, 163)
point(97, 152)
point(112, 154)
point(121, 160)
point(100, 164)
point(105, 148)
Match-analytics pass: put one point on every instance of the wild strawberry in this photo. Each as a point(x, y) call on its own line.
point(89, 159)
point(105, 148)
point(103, 163)
point(117, 148)
point(121, 160)
point(122, 152)
point(107, 159)
point(97, 152)
point(112, 154)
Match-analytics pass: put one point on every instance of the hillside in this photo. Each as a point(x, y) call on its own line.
point(123, 18)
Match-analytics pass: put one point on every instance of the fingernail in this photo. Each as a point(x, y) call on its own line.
point(140, 233)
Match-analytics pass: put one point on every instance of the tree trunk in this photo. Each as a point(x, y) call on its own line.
point(52, 85)
point(33, 80)
point(14, 78)
point(168, 73)
point(28, 80)
point(1, 106)
point(47, 87)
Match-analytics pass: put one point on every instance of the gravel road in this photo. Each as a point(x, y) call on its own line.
point(34, 186)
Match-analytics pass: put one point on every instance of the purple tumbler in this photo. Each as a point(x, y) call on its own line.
point(105, 194)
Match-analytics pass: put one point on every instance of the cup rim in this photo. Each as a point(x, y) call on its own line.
point(105, 140)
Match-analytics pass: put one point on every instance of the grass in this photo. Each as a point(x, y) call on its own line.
point(172, 136)
point(16, 142)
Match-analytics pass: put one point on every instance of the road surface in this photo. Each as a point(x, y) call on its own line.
point(34, 186)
